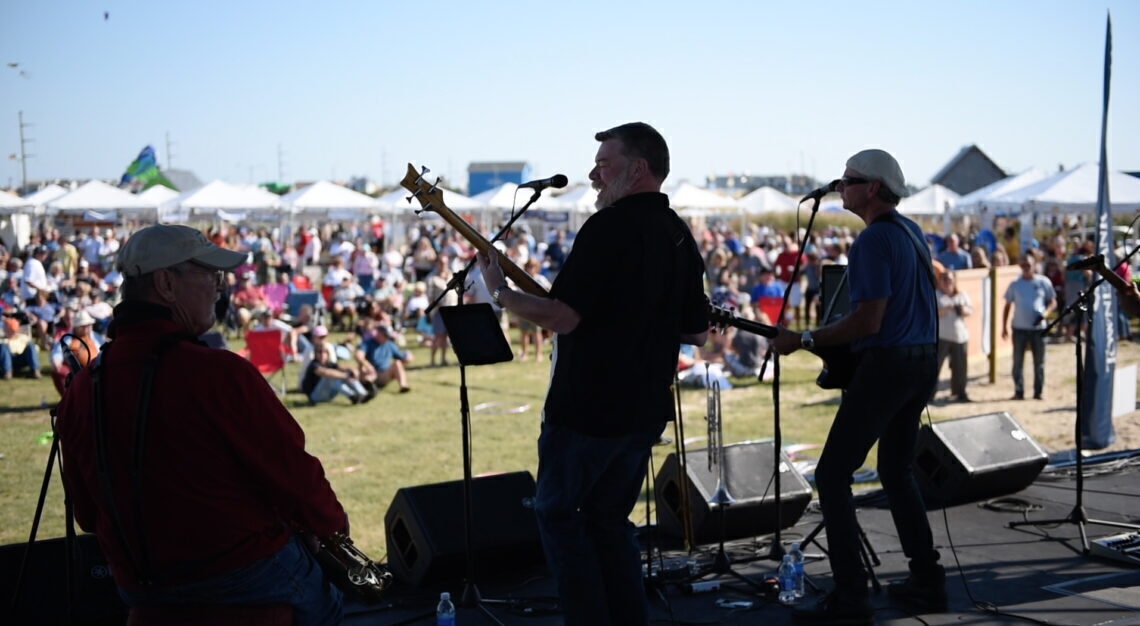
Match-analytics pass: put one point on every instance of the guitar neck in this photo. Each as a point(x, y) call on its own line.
point(1112, 278)
point(720, 316)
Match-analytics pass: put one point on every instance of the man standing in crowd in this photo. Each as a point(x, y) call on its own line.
point(207, 510)
point(634, 299)
point(1031, 297)
point(954, 257)
point(891, 329)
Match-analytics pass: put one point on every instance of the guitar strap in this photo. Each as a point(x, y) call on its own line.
point(924, 260)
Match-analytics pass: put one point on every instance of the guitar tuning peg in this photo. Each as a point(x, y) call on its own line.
point(434, 186)
point(409, 199)
point(423, 170)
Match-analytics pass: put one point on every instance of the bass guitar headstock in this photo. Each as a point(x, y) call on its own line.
point(430, 195)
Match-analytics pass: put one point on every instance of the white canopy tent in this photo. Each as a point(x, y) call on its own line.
point(766, 200)
point(103, 199)
point(934, 200)
point(977, 200)
point(324, 198)
point(1072, 191)
point(11, 203)
point(41, 197)
point(162, 198)
point(396, 201)
point(229, 202)
point(687, 196)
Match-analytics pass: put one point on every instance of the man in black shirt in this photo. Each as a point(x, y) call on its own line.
point(628, 294)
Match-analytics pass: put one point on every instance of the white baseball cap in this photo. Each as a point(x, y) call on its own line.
point(881, 166)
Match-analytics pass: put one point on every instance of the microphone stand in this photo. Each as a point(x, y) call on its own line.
point(776, 547)
point(1082, 305)
point(471, 597)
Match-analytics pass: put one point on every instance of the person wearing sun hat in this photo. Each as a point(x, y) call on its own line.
point(207, 516)
point(892, 331)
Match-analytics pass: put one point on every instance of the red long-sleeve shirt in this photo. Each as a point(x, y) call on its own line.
point(225, 470)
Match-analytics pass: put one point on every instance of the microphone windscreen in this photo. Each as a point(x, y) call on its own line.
point(558, 181)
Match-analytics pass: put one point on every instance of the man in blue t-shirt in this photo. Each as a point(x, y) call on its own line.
point(892, 331)
point(954, 257)
point(381, 360)
point(1031, 297)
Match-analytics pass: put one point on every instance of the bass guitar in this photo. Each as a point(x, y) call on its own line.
point(838, 361)
point(430, 196)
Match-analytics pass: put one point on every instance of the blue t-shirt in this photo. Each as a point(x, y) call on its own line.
point(1029, 298)
point(959, 260)
point(380, 355)
point(884, 263)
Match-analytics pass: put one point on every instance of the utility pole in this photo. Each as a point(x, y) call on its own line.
point(23, 153)
point(280, 164)
point(169, 150)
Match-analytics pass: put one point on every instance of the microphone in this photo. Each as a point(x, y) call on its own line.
point(822, 191)
point(1091, 263)
point(558, 181)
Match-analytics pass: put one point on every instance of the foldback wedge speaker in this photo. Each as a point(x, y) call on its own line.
point(749, 480)
point(43, 592)
point(974, 458)
point(425, 532)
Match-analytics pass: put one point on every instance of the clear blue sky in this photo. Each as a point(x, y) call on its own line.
point(362, 88)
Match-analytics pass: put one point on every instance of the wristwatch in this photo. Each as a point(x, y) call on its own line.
point(498, 292)
point(807, 341)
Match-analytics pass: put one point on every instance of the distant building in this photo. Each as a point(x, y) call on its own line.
point(968, 171)
point(183, 180)
point(740, 184)
point(484, 175)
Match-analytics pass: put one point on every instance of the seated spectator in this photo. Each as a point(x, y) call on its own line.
point(344, 300)
point(248, 300)
point(17, 348)
point(746, 350)
point(324, 379)
point(381, 360)
point(41, 318)
point(10, 298)
point(415, 311)
point(79, 340)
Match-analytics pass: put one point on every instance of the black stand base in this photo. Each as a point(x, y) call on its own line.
point(866, 552)
point(1081, 519)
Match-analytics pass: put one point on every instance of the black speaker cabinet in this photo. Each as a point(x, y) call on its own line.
point(748, 478)
point(974, 458)
point(43, 593)
point(424, 529)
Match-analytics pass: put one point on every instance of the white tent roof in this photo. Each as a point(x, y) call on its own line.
point(933, 200)
point(580, 198)
point(46, 195)
point(158, 195)
point(97, 195)
point(397, 200)
point(502, 197)
point(974, 200)
point(689, 196)
point(1074, 190)
point(326, 196)
point(10, 202)
point(227, 198)
point(766, 200)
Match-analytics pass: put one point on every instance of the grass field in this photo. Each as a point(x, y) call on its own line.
point(398, 440)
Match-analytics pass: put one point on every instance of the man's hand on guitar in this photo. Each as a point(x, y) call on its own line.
point(493, 276)
point(786, 342)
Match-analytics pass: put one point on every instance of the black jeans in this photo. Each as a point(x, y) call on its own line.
point(883, 403)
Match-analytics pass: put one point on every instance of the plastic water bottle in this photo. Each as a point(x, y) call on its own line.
point(798, 563)
point(787, 576)
point(445, 611)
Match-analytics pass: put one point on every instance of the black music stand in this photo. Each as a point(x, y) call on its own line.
point(477, 339)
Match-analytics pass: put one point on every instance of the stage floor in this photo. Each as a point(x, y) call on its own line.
point(1036, 572)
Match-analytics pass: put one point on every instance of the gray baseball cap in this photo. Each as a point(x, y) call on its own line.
point(881, 166)
point(166, 245)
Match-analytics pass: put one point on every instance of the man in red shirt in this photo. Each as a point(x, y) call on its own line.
point(181, 459)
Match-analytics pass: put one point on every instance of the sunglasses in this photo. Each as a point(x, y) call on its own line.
point(847, 181)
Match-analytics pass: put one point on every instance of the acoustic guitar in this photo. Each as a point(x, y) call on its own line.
point(838, 361)
point(430, 197)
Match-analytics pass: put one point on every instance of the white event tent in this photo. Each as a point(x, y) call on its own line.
point(934, 200)
point(690, 200)
point(96, 199)
point(229, 202)
point(41, 197)
point(766, 200)
point(11, 203)
point(1072, 191)
point(162, 198)
point(326, 199)
point(978, 200)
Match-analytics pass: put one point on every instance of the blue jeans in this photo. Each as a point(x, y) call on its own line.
point(1035, 340)
point(587, 487)
point(291, 576)
point(327, 388)
point(29, 358)
point(883, 403)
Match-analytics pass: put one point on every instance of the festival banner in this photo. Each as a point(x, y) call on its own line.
point(1100, 351)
